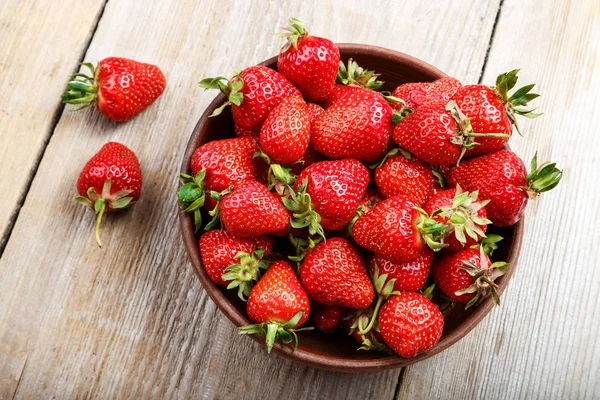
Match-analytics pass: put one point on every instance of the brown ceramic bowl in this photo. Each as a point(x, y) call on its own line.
point(338, 352)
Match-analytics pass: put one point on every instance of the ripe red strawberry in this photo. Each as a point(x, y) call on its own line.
point(278, 305)
point(357, 126)
point(468, 276)
point(357, 319)
point(252, 210)
point(327, 319)
point(410, 324)
point(332, 190)
point(350, 79)
point(120, 88)
point(309, 62)
point(233, 262)
point(463, 214)
point(252, 94)
point(241, 132)
point(371, 198)
point(397, 230)
point(417, 94)
point(314, 110)
point(501, 177)
point(334, 274)
point(409, 276)
point(110, 181)
point(285, 134)
point(400, 173)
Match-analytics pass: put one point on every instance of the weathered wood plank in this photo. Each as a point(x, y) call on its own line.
point(543, 342)
point(41, 42)
point(131, 319)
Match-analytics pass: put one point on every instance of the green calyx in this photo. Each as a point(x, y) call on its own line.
point(273, 331)
point(488, 244)
point(279, 177)
point(304, 216)
point(384, 289)
point(118, 201)
point(83, 88)
point(247, 271)
point(292, 33)
point(541, 179)
point(355, 75)
point(231, 88)
point(398, 116)
point(465, 137)
point(391, 153)
point(441, 180)
point(302, 247)
point(360, 319)
point(192, 195)
point(428, 292)
point(462, 216)
point(431, 231)
point(516, 103)
point(484, 277)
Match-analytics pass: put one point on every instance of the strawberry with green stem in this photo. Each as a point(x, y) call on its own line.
point(371, 340)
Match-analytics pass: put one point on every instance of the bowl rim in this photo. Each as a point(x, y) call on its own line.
point(306, 357)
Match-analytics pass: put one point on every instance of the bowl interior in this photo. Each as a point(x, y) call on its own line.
point(338, 351)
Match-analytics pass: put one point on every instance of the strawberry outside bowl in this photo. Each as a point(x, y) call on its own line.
point(338, 352)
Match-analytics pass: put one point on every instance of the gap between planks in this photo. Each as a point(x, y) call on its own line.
point(55, 119)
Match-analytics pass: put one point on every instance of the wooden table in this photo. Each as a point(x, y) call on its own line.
point(131, 319)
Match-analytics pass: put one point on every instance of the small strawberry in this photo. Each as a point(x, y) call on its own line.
point(462, 213)
point(468, 276)
point(398, 230)
point(334, 274)
point(285, 134)
point(400, 173)
point(410, 324)
point(327, 319)
point(309, 62)
point(278, 305)
point(110, 181)
point(409, 276)
point(241, 132)
point(233, 262)
point(357, 320)
point(357, 126)
point(501, 177)
point(417, 94)
point(118, 87)
point(252, 94)
point(351, 78)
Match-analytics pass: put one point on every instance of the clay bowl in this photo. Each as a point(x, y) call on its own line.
point(338, 352)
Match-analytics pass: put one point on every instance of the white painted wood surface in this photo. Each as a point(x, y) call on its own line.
point(131, 320)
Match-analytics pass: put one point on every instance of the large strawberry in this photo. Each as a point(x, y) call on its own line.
point(233, 262)
point(357, 126)
point(309, 62)
point(400, 173)
point(501, 177)
point(278, 305)
point(334, 274)
point(410, 324)
point(285, 134)
point(398, 230)
point(463, 214)
point(468, 276)
point(417, 94)
point(110, 181)
point(330, 189)
point(120, 88)
point(327, 319)
point(252, 94)
point(409, 276)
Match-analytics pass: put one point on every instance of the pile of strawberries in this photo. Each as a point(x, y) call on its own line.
point(338, 203)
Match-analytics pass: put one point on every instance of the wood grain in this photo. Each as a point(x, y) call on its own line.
point(543, 342)
point(131, 320)
point(39, 51)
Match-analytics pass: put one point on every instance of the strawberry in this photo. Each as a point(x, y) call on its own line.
point(417, 94)
point(241, 132)
point(233, 262)
point(252, 94)
point(410, 324)
point(110, 181)
point(328, 192)
point(313, 110)
point(251, 210)
point(400, 173)
point(334, 274)
point(371, 198)
point(309, 62)
point(468, 276)
point(278, 305)
point(461, 212)
point(350, 79)
point(501, 177)
point(310, 157)
point(409, 276)
point(118, 87)
point(357, 320)
point(327, 319)
point(398, 230)
point(285, 134)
